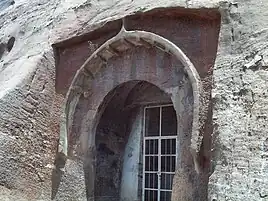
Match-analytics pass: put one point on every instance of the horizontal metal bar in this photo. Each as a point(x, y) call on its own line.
point(160, 155)
point(152, 189)
point(161, 137)
point(154, 106)
point(155, 172)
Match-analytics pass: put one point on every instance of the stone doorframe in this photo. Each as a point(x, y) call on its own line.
point(80, 87)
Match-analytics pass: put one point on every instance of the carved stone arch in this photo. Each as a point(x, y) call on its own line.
point(124, 40)
point(82, 124)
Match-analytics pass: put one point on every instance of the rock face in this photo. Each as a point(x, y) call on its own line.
point(240, 104)
point(6, 3)
point(30, 107)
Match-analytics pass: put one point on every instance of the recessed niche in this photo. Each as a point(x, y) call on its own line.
point(10, 43)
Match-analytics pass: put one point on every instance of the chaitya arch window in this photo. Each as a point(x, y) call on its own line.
point(130, 147)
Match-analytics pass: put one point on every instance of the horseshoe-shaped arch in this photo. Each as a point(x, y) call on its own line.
point(127, 39)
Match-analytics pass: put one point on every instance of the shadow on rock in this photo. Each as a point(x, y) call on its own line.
point(57, 173)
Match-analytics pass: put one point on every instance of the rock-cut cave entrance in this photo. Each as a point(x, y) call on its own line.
point(103, 119)
point(136, 143)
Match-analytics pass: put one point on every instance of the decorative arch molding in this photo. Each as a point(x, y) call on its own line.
point(123, 41)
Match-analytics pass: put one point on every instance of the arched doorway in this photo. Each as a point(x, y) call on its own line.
point(136, 143)
point(128, 57)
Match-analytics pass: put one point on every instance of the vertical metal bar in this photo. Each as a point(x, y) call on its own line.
point(151, 168)
point(159, 153)
point(171, 160)
point(171, 152)
point(165, 186)
point(143, 168)
point(166, 143)
point(166, 140)
point(149, 157)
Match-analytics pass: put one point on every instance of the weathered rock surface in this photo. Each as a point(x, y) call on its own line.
point(29, 106)
point(240, 104)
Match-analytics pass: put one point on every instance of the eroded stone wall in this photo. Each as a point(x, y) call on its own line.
point(240, 104)
point(29, 140)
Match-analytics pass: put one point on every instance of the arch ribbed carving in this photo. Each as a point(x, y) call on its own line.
point(127, 39)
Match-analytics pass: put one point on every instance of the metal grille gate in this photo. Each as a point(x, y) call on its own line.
point(160, 152)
